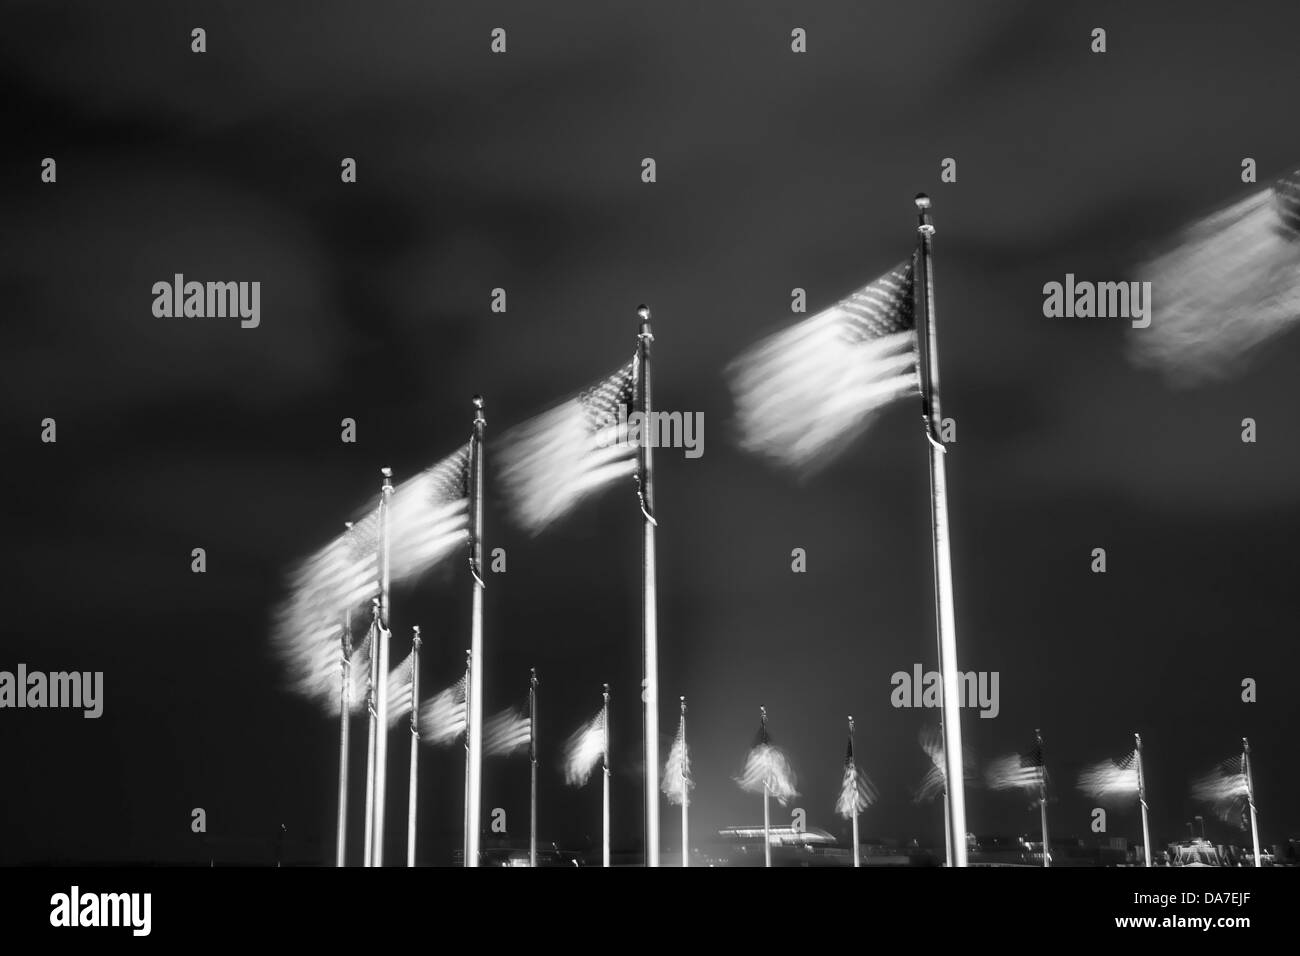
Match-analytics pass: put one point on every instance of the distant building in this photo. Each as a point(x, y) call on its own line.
point(780, 836)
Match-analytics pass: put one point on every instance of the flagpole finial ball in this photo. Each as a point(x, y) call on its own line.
point(478, 401)
point(643, 311)
point(922, 201)
point(386, 472)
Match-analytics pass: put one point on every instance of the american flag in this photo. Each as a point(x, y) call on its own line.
point(430, 516)
point(1111, 778)
point(506, 732)
point(1226, 790)
point(400, 687)
point(677, 781)
point(1023, 771)
point(549, 464)
point(768, 768)
point(857, 792)
point(442, 716)
point(935, 782)
point(428, 519)
point(308, 630)
point(1224, 287)
point(802, 394)
point(584, 749)
point(358, 676)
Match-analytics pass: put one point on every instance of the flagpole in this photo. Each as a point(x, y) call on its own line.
point(686, 827)
point(649, 626)
point(947, 826)
point(345, 705)
point(604, 810)
point(767, 824)
point(532, 759)
point(464, 845)
point(474, 714)
point(853, 766)
point(382, 633)
point(767, 793)
point(1042, 796)
point(1250, 796)
point(368, 852)
point(1142, 799)
point(415, 747)
point(945, 604)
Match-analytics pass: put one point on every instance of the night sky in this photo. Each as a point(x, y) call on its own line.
point(522, 171)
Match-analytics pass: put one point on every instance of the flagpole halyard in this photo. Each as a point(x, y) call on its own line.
point(945, 604)
point(650, 625)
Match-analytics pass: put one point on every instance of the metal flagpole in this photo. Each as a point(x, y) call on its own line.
point(1042, 795)
point(345, 705)
point(853, 767)
point(686, 827)
point(1250, 796)
point(372, 651)
point(945, 606)
point(649, 627)
point(604, 810)
point(947, 826)
point(474, 713)
point(1142, 799)
point(382, 633)
point(464, 846)
point(415, 747)
point(767, 824)
point(767, 795)
point(532, 759)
